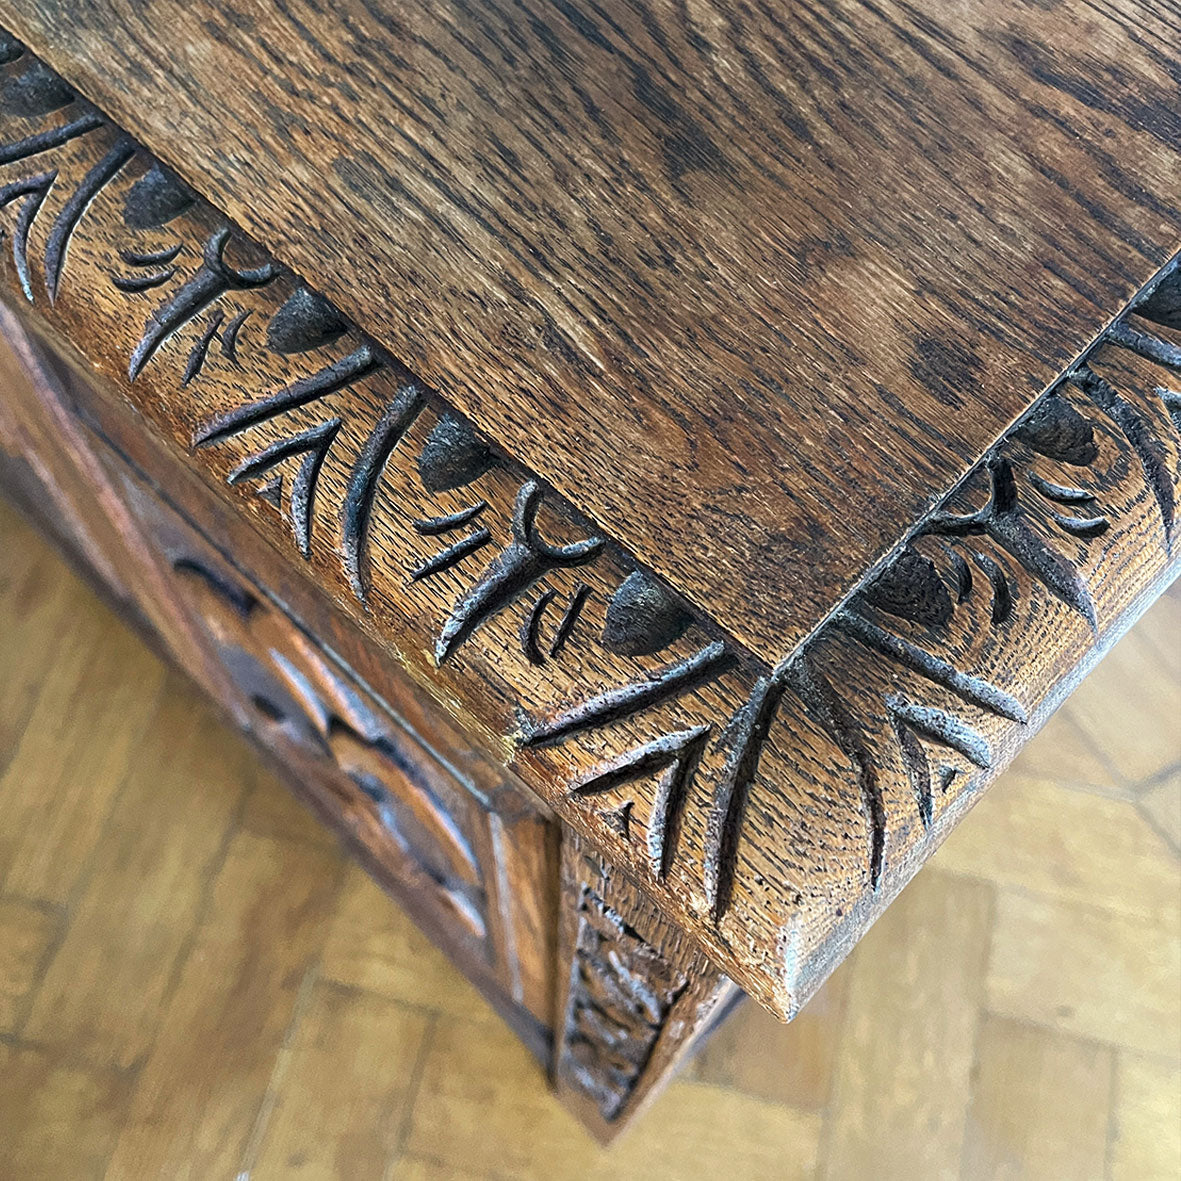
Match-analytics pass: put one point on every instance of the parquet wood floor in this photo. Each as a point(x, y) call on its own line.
point(195, 984)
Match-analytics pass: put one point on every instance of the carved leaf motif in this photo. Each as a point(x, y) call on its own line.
point(913, 723)
point(675, 758)
point(1136, 430)
point(512, 572)
point(313, 445)
point(212, 280)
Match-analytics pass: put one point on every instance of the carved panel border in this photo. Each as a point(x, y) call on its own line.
point(773, 811)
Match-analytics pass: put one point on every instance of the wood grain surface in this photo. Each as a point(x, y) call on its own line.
point(752, 285)
point(772, 809)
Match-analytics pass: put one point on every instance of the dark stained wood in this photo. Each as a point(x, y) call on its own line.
point(752, 285)
point(770, 809)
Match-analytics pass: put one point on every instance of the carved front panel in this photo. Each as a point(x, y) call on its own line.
point(385, 788)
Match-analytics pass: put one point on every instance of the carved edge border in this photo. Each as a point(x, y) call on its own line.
point(772, 811)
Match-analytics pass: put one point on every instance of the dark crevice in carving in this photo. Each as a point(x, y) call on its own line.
point(232, 593)
point(643, 616)
point(453, 456)
point(676, 757)
point(357, 365)
point(746, 735)
point(71, 212)
point(910, 588)
point(156, 198)
point(362, 486)
point(1061, 493)
point(133, 284)
point(512, 572)
point(213, 279)
point(963, 575)
point(31, 192)
point(616, 704)
point(1145, 344)
point(229, 338)
point(1002, 592)
point(968, 688)
point(570, 617)
point(531, 627)
point(619, 820)
point(433, 526)
point(1136, 430)
point(272, 491)
point(306, 320)
point(313, 444)
point(825, 707)
point(200, 349)
point(1172, 404)
point(151, 258)
point(452, 555)
point(1083, 527)
point(53, 137)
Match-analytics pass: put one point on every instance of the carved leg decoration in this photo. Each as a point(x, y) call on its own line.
point(635, 995)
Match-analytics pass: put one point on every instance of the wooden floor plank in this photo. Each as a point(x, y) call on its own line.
point(107, 985)
point(1161, 805)
point(1084, 958)
point(63, 778)
point(373, 945)
point(1040, 1105)
point(1137, 696)
point(1086, 971)
point(793, 1064)
point(904, 1066)
point(27, 933)
point(57, 1121)
point(481, 1109)
point(1036, 836)
point(202, 1085)
point(351, 1068)
point(1064, 754)
point(1146, 1131)
point(35, 603)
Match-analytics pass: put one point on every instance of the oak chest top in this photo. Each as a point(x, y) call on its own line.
point(746, 420)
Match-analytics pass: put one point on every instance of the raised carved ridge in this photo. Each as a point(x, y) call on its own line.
point(764, 807)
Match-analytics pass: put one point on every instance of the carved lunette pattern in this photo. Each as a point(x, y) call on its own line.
point(766, 807)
